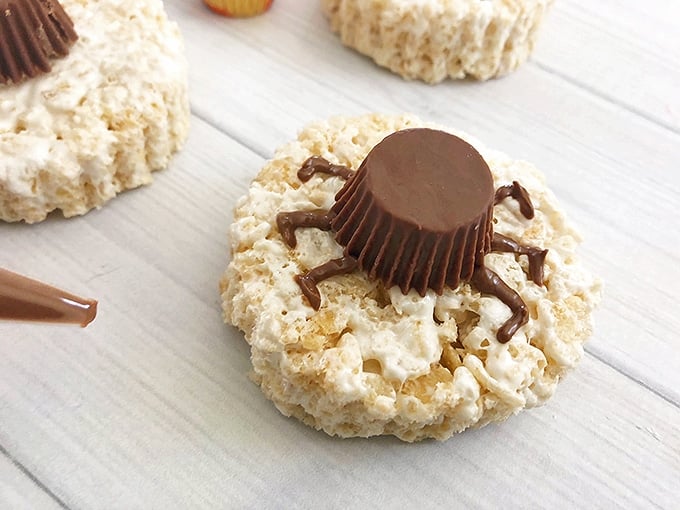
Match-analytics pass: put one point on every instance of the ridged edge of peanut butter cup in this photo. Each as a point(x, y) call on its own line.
point(32, 33)
point(398, 249)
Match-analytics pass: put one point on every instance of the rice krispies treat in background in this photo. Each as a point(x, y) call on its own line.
point(372, 360)
point(431, 40)
point(102, 120)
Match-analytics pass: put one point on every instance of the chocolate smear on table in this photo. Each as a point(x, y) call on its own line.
point(32, 32)
point(418, 214)
point(24, 299)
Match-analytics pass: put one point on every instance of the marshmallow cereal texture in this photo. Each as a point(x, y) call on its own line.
point(371, 360)
point(431, 40)
point(108, 114)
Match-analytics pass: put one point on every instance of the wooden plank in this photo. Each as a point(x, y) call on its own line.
point(613, 170)
point(19, 492)
point(625, 50)
point(151, 407)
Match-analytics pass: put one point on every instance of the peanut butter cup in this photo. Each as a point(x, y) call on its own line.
point(32, 32)
point(417, 213)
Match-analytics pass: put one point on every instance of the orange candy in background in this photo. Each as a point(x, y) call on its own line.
point(238, 8)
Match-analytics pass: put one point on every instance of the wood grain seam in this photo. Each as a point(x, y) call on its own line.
point(631, 377)
point(604, 97)
point(33, 478)
point(240, 140)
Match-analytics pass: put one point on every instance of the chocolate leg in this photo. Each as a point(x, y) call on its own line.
point(308, 282)
point(289, 221)
point(501, 243)
point(488, 282)
point(317, 164)
point(516, 191)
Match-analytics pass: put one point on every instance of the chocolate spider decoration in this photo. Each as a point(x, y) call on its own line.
point(418, 213)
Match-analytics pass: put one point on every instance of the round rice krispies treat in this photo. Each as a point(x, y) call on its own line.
point(106, 116)
point(374, 361)
point(431, 40)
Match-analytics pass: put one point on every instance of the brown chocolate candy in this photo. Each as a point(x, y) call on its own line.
point(24, 299)
point(32, 32)
point(418, 212)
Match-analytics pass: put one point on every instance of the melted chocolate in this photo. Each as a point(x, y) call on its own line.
point(317, 164)
point(417, 214)
point(23, 299)
point(488, 282)
point(536, 256)
point(308, 282)
point(519, 193)
point(289, 221)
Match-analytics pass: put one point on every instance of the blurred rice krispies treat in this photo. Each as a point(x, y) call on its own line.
point(432, 40)
point(106, 116)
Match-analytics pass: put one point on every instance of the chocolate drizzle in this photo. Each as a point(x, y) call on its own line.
point(536, 256)
point(516, 191)
point(32, 32)
point(308, 282)
point(417, 214)
point(24, 299)
point(488, 282)
point(289, 221)
point(317, 164)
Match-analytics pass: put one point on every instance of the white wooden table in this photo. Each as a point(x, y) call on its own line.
point(150, 407)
